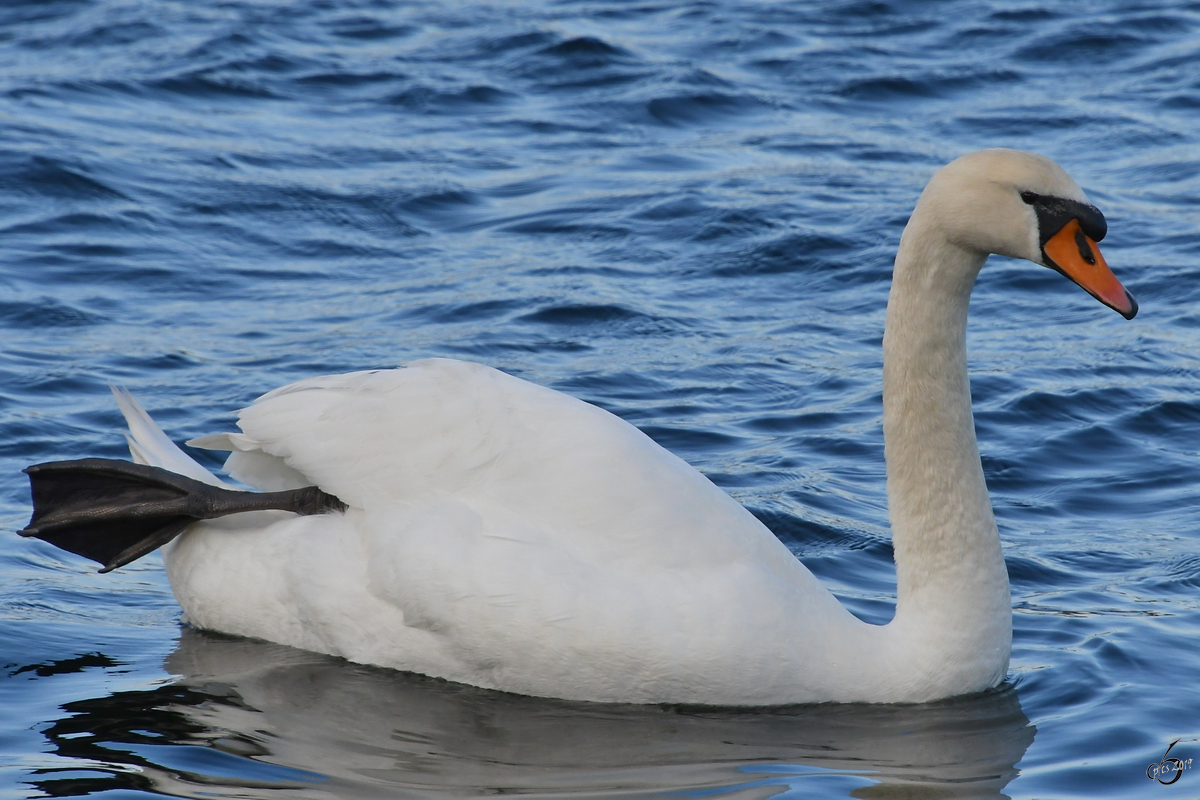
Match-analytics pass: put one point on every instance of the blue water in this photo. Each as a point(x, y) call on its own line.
point(682, 212)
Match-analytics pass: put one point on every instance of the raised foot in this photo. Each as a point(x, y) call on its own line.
point(114, 512)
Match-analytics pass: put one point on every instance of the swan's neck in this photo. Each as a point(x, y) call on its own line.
point(953, 612)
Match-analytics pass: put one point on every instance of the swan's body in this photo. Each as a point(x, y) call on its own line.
point(509, 536)
point(504, 535)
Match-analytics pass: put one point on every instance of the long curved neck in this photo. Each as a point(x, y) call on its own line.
point(953, 609)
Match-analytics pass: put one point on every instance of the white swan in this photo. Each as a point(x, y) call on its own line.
point(504, 535)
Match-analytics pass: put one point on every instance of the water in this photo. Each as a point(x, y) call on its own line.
point(683, 212)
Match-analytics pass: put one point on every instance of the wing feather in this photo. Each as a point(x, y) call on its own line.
point(445, 428)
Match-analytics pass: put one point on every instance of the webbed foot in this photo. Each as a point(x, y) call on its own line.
point(114, 512)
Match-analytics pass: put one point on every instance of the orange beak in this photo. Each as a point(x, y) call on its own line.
point(1072, 253)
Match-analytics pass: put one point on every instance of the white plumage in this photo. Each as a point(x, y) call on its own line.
point(508, 536)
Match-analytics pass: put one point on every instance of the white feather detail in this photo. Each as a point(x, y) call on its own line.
point(149, 445)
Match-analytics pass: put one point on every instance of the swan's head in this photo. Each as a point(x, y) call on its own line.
point(1023, 205)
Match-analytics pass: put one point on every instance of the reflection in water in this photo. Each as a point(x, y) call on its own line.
point(251, 719)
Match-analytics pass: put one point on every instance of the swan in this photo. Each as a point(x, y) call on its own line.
point(474, 527)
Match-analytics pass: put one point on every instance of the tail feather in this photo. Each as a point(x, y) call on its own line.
point(150, 446)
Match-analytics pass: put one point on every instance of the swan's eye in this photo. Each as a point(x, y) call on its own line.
point(1055, 212)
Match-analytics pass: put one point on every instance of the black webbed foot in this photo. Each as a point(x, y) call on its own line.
point(114, 512)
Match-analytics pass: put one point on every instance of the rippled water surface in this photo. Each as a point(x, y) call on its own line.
point(684, 212)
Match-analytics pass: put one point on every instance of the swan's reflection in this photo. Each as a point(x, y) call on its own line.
point(283, 721)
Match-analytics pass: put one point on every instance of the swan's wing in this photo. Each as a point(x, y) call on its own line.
point(440, 428)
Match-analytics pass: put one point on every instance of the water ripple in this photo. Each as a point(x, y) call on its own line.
point(683, 213)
